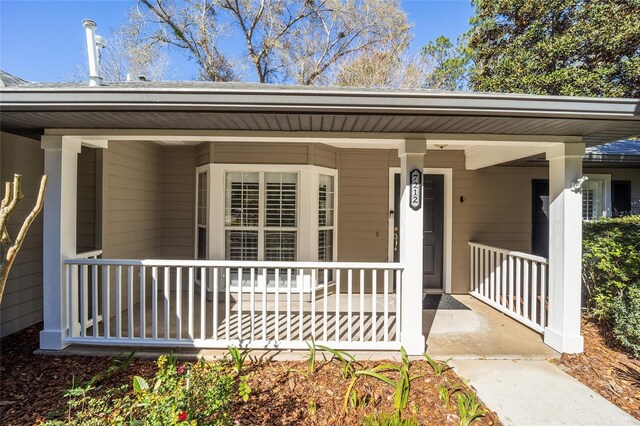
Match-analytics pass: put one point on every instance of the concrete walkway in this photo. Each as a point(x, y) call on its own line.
point(535, 392)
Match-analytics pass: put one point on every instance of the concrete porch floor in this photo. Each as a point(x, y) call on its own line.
point(463, 327)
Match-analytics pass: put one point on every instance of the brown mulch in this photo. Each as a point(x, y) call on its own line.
point(32, 387)
point(605, 367)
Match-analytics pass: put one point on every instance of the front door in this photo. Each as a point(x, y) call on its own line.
point(433, 229)
point(540, 217)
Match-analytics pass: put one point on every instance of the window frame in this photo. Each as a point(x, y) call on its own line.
point(197, 226)
point(604, 195)
point(307, 220)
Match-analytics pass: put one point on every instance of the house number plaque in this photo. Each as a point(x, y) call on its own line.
point(415, 199)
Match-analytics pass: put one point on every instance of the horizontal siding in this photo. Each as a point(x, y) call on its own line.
point(325, 156)
point(132, 210)
point(203, 152)
point(260, 153)
point(22, 300)
point(178, 202)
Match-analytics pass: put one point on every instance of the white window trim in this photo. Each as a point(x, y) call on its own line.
point(202, 169)
point(308, 226)
point(448, 219)
point(606, 202)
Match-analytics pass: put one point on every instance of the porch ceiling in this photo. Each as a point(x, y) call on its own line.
point(28, 109)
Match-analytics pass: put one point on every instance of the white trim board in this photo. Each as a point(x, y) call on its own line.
point(448, 219)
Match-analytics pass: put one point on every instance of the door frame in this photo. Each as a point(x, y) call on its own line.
point(447, 242)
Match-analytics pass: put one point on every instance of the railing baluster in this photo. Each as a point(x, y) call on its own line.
point(349, 304)
point(511, 282)
point(252, 303)
point(301, 304)
point(534, 292)
point(227, 303)
point(525, 289)
point(361, 305)
point(289, 304)
point(203, 303)
point(82, 300)
point(498, 275)
point(264, 304)
point(130, 304)
point(106, 301)
point(154, 302)
point(179, 303)
point(72, 297)
point(313, 303)
point(277, 303)
point(492, 276)
point(85, 300)
point(518, 284)
point(386, 305)
point(504, 280)
point(190, 301)
point(338, 276)
point(143, 302)
point(374, 297)
point(486, 290)
point(325, 305)
point(167, 306)
point(215, 304)
point(239, 303)
point(118, 302)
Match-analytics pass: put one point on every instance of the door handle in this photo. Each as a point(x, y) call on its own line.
point(395, 238)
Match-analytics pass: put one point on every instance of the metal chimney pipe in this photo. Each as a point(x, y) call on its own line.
point(92, 52)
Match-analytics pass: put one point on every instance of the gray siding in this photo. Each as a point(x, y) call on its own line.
point(22, 300)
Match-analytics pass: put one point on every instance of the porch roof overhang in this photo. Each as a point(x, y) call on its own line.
point(29, 109)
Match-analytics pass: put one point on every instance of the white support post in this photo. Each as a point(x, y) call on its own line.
point(565, 248)
point(411, 247)
point(59, 240)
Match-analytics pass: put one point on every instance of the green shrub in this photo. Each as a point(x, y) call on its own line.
point(611, 260)
point(388, 419)
point(625, 315)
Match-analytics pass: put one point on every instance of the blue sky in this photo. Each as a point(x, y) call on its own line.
point(44, 40)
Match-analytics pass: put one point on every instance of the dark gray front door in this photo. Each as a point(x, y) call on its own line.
point(433, 228)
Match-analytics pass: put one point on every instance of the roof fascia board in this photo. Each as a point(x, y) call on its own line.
point(51, 99)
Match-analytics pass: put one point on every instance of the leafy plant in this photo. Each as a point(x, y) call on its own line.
point(388, 419)
point(313, 408)
point(244, 390)
point(238, 358)
point(437, 366)
point(468, 408)
point(625, 313)
point(402, 385)
point(445, 391)
point(349, 363)
point(312, 356)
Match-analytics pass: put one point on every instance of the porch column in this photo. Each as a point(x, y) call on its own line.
point(59, 239)
point(411, 155)
point(565, 248)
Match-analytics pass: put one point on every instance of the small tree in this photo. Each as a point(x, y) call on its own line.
point(9, 249)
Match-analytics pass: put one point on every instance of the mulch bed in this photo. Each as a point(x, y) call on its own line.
point(31, 388)
point(605, 367)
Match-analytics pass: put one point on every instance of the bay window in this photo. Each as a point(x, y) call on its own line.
point(271, 213)
point(596, 197)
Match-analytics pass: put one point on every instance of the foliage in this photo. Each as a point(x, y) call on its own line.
point(437, 366)
point(402, 385)
point(183, 394)
point(625, 314)
point(238, 358)
point(446, 390)
point(556, 47)
point(285, 40)
point(349, 363)
point(312, 356)
point(469, 408)
point(611, 260)
point(388, 419)
point(446, 64)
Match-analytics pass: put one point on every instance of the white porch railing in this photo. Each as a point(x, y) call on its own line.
point(212, 304)
point(515, 283)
